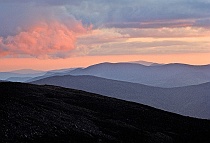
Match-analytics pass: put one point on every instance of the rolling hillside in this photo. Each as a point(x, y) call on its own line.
point(189, 101)
point(33, 113)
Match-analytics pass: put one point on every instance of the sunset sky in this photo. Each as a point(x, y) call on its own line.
point(52, 34)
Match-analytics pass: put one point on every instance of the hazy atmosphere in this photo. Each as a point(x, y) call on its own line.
point(50, 34)
point(105, 71)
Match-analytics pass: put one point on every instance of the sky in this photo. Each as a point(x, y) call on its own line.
point(52, 34)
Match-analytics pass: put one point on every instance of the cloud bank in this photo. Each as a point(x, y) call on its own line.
point(41, 31)
point(42, 40)
point(64, 28)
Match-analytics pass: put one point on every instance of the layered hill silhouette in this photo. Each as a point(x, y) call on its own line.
point(18, 76)
point(27, 71)
point(170, 75)
point(18, 79)
point(191, 101)
point(159, 75)
point(51, 74)
point(25, 75)
point(34, 113)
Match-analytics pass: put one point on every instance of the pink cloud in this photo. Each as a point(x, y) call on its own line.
point(46, 39)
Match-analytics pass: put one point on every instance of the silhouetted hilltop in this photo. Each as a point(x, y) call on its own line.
point(34, 113)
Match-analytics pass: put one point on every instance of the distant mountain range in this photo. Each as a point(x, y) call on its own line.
point(33, 113)
point(170, 75)
point(25, 75)
point(191, 101)
point(18, 79)
point(145, 63)
point(51, 74)
point(158, 75)
point(128, 81)
point(17, 76)
point(27, 71)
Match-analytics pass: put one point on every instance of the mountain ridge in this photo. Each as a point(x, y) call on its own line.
point(186, 100)
point(26, 71)
point(169, 75)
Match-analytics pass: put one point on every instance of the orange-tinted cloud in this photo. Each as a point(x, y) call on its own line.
point(47, 39)
point(131, 41)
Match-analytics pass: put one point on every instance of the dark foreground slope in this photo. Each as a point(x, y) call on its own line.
point(33, 113)
point(193, 101)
